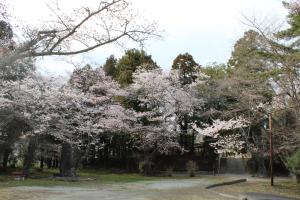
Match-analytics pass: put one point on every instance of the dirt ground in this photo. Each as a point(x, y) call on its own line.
point(181, 189)
point(145, 190)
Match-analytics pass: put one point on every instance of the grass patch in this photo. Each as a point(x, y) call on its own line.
point(101, 176)
point(281, 187)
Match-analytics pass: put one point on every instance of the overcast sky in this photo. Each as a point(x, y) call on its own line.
point(207, 29)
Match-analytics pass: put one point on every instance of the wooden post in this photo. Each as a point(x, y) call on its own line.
point(271, 150)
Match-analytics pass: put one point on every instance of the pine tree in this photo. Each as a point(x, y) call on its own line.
point(187, 68)
point(110, 66)
point(129, 63)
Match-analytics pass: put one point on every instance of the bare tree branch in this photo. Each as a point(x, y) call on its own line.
point(84, 30)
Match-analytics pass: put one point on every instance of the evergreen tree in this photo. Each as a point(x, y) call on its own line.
point(249, 69)
point(110, 66)
point(293, 21)
point(187, 68)
point(129, 63)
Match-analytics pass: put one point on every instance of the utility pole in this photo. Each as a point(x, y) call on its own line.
point(271, 149)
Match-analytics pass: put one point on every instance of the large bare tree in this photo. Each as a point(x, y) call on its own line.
point(82, 30)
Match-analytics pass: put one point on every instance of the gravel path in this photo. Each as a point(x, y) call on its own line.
point(172, 189)
point(146, 190)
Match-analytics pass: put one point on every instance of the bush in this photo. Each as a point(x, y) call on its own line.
point(169, 171)
point(294, 165)
point(146, 168)
point(191, 167)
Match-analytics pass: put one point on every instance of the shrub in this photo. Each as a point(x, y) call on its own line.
point(191, 167)
point(169, 171)
point(146, 168)
point(294, 164)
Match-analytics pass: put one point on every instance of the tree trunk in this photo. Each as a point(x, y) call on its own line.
point(56, 163)
point(77, 157)
point(262, 171)
point(257, 166)
point(5, 158)
point(66, 161)
point(260, 158)
point(148, 167)
point(29, 156)
point(42, 162)
point(42, 159)
point(193, 143)
point(49, 162)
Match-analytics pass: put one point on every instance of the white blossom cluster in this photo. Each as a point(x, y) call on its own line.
point(165, 100)
point(224, 144)
point(90, 105)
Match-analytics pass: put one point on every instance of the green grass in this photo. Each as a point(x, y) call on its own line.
point(101, 177)
point(281, 187)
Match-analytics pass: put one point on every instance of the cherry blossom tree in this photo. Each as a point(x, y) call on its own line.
point(108, 118)
point(53, 110)
point(163, 100)
point(224, 143)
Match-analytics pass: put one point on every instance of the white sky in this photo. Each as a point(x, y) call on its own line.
point(207, 29)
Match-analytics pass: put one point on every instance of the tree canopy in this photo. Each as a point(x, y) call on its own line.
point(130, 62)
point(187, 68)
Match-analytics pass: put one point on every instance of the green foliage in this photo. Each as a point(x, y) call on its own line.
point(146, 168)
point(215, 71)
point(294, 165)
point(293, 21)
point(249, 67)
point(129, 63)
point(248, 56)
point(110, 66)
point(215, 91)
point(12, 125)
point(294, 162)
point(187, 67)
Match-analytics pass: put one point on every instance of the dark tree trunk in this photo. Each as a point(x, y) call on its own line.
point(77, 157)
point(42, 162)
point(149, 167)
point(56, 163)
point(183, 140)
point(5, 158)
point(193, 143)
point(66, 161)
point(257, 166)
point(262, 171)
point(29, 156)
point(42, 159)
point(105, 156)
point(49, 163)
